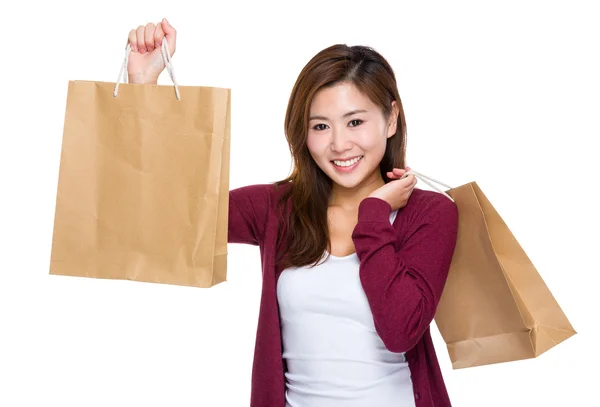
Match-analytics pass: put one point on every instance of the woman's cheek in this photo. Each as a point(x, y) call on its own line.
point(368, 142)
point(315, 149)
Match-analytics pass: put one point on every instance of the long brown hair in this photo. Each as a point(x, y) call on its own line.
point(306, 228)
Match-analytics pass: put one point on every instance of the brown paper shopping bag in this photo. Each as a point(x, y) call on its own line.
point(143, 182)
point(495, 307)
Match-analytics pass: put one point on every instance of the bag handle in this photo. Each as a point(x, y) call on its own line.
point(166, 55)
point(425, 179)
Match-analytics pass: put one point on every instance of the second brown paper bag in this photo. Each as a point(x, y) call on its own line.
point(495, 306)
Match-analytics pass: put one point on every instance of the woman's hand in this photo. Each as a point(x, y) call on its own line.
point(145, 60)
point(396, 192)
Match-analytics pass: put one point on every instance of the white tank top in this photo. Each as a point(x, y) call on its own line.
point(334, 356)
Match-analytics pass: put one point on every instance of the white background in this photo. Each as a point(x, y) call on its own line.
point(502, 93)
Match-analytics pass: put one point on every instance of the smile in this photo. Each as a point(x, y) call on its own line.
point(347, 166)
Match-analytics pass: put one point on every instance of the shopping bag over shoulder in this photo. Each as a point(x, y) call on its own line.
point(143, 182)
point(495, 306)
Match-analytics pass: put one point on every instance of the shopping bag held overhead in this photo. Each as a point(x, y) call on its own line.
point(143, 182)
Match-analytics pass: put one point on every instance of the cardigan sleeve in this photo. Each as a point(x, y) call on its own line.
point(403, 284)
point(248, 211)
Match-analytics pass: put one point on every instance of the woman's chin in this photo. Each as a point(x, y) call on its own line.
point(346, 181)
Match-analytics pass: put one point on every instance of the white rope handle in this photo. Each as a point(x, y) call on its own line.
point(425, 179)
point(166, 56)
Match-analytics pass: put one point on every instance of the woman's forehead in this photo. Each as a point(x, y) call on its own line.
point(339, 100)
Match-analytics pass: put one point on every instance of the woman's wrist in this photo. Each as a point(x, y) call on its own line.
point(142, 80)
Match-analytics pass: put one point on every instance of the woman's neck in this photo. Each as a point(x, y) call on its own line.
point(350, 198)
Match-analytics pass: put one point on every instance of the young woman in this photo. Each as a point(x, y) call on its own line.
point(354, 257)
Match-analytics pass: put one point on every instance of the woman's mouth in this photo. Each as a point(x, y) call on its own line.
point(347, 166)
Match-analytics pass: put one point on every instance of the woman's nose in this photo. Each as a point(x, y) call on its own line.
point(340, 141)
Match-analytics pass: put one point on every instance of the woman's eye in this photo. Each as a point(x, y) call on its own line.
point(318, 128)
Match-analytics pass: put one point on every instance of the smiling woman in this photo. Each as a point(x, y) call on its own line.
point(355, 297)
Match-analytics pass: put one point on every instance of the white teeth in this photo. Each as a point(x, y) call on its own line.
point(347, 163)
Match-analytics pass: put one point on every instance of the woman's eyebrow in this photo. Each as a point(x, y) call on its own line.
point(350, 113)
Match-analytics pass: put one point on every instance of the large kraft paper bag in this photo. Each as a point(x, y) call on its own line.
point(143, 184)
point(495, 307)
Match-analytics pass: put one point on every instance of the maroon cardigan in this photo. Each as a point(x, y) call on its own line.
point(403, 270)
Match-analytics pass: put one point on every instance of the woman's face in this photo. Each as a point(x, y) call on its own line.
point(346, 125)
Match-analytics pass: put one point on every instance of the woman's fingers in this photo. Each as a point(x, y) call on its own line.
point(158, 36)
point(399, 173)
point(146, 38)
point(133, 40)
point(170, 33)
point(400, 170)
point(395, 173)
point(413, 181)
point(141, 41)
point(149, 36)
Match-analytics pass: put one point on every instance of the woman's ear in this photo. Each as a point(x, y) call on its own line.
point(393, 120)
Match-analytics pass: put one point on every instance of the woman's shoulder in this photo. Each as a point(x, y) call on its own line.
point(264, 191)
point(425, 203)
